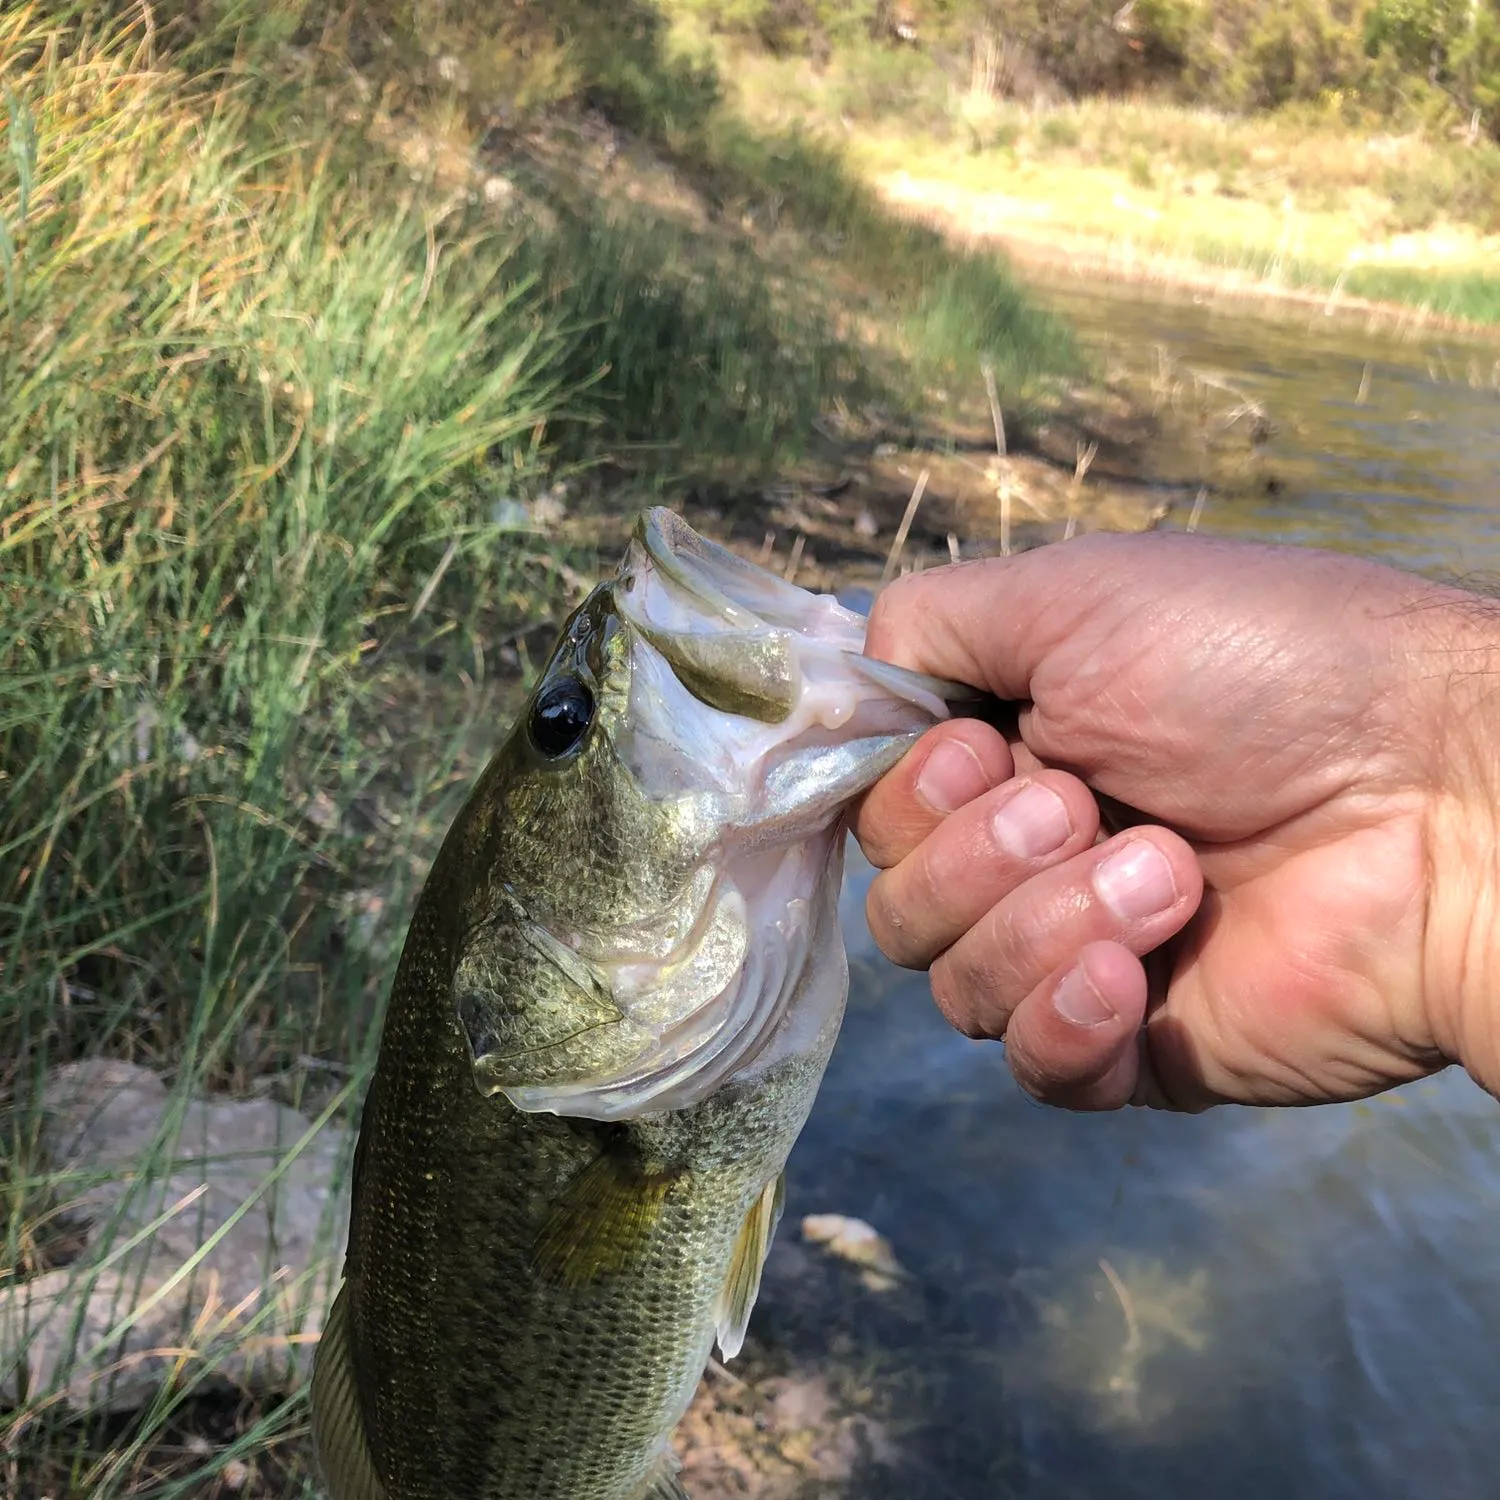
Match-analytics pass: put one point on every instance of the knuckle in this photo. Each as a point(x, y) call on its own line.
point(1028, 1079)
point(1054, 1079)
point(890, 923)
point(916, 907)
point(949, 1001)
point(921, 876)
point(972, 1005)
point(1017, 943)
point(881, 829)
point(875, 845)
point(893, 603)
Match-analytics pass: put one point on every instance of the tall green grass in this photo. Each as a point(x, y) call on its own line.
point(251, 410)
point(247, 410)
point(268, 406)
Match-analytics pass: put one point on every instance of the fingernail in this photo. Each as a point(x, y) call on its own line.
point(951, 777)
point(1032, 823)
point(1135, 881)
point(1075, 999)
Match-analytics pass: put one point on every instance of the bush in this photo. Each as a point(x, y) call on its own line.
point(1059, 132)
point(801, 26)
point(1076, 43)
point(1258, 54)
point(1454, 44)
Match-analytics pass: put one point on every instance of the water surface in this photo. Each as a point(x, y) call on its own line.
point(1300, 1303)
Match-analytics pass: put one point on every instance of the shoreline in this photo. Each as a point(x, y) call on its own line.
point(1064, 254)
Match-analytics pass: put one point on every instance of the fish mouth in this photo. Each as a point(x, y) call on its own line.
point(743, 595)
point(732, 632)
point(799, 723)
point(745, 641)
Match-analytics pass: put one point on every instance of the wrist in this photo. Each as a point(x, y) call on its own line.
point(1454, 656)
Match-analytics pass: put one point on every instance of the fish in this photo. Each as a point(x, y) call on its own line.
point(615, 1003)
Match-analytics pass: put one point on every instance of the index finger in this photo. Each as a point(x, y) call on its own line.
point(950, 766)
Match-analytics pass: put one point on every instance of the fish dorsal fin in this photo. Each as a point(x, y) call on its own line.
point(732, 1310)
point(338, 1428)
point(662, 1483)
point(602, 1223)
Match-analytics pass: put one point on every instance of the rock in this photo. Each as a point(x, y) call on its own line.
point(215, 1229)
point(857, 1242)
point(214, 1234)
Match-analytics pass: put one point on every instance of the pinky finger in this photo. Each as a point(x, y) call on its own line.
point(1075, 1040)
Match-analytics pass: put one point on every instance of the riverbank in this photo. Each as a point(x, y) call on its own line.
point(1025, 232)
point(1304, 203)
point(1444, 280)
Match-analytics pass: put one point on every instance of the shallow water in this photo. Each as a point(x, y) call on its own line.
point(1147, 1306)
point(1382, 445)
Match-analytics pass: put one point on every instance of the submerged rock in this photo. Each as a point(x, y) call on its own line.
point(858, 1243)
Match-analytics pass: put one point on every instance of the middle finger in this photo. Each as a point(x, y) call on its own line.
point(1136, 890)
point(975, 857)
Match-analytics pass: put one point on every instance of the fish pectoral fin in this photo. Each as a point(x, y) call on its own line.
point(338, 1428)
point(742, 1285)
point(602, 1224)
point(524, 1000)
point(663, 1483)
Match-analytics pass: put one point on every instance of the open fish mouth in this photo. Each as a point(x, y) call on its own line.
point(742, 640)
point(743, 595)
point(753, 713)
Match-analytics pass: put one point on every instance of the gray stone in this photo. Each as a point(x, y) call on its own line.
point(214, 1234)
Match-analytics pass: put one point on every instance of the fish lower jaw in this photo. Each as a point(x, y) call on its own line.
point(784, 998)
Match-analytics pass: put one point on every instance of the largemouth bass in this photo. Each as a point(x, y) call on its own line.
point(616, 1001)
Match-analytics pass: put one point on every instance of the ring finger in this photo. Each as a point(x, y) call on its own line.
point(1137, 889)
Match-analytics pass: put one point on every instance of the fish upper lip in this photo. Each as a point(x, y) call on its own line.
point(742, 595)
point(678, 552)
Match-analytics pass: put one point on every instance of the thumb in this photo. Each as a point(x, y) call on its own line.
point(996, 623)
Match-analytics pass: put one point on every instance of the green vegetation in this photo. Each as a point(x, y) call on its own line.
point(1389, 57)
point(313, 342)
point(1320, 145)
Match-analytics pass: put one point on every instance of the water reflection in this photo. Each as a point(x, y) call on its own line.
point(1144, 1306)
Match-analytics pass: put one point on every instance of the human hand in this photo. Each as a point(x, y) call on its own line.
point(1314, 890)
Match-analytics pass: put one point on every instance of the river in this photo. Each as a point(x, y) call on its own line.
point(1246, 1303)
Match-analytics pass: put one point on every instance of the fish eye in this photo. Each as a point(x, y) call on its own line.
point(561, 717)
